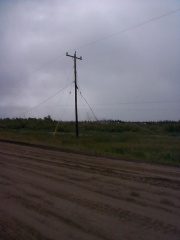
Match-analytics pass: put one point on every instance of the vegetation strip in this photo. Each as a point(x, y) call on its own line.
point(136, 141)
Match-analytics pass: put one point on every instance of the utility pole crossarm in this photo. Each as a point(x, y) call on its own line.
point(75, 84)
point(80, 58)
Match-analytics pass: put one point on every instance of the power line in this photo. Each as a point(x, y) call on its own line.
point(36, 70)
point(168, 101)
point(99, 40)
point(129, 29)
point(145, 102)
point(47, 99)
point(140, 110)
point(88, 105)
point(63, 113)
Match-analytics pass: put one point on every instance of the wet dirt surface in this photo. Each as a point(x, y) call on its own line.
point(49, 194)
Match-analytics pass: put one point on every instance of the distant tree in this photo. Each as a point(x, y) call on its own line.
point(48, 118)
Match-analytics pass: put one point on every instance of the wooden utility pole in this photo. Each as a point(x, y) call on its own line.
point(75, 84)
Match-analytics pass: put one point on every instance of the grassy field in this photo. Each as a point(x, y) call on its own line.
point(156, 142)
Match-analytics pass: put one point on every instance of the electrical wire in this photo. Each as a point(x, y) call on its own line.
point(91, 43)
point(140, 110)
point(47, 99)
point(64, 110)
point(106, 104)
point(83, 108)
point(37, 70)
point(88, 105)
point(150, 102)
point(69, 77)
point(82, 97)
point(99, 40)
point(67, 104)
point(128, 29)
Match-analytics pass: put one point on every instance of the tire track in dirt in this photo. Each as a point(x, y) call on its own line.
point(68, 158)
point(46, 169)
point(112, 211)
point(12, 228)
point(141, 202)
point(158, 181)
point(92, 205)
point(43, 210)
point(53, 184)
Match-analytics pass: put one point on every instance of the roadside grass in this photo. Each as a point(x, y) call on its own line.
point(146, 146)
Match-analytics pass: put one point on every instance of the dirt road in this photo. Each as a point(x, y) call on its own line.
point(48, 194)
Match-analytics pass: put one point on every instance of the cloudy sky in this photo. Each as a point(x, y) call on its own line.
point(130, 68)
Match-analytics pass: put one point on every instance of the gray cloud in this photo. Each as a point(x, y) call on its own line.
point(133, 75)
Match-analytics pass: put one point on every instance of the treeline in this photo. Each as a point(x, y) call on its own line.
point(28, 123)
point(112, 126)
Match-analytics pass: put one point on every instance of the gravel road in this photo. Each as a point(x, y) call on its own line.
point(50, 194)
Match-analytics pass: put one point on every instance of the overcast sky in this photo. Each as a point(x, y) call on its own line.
point(130, 68)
